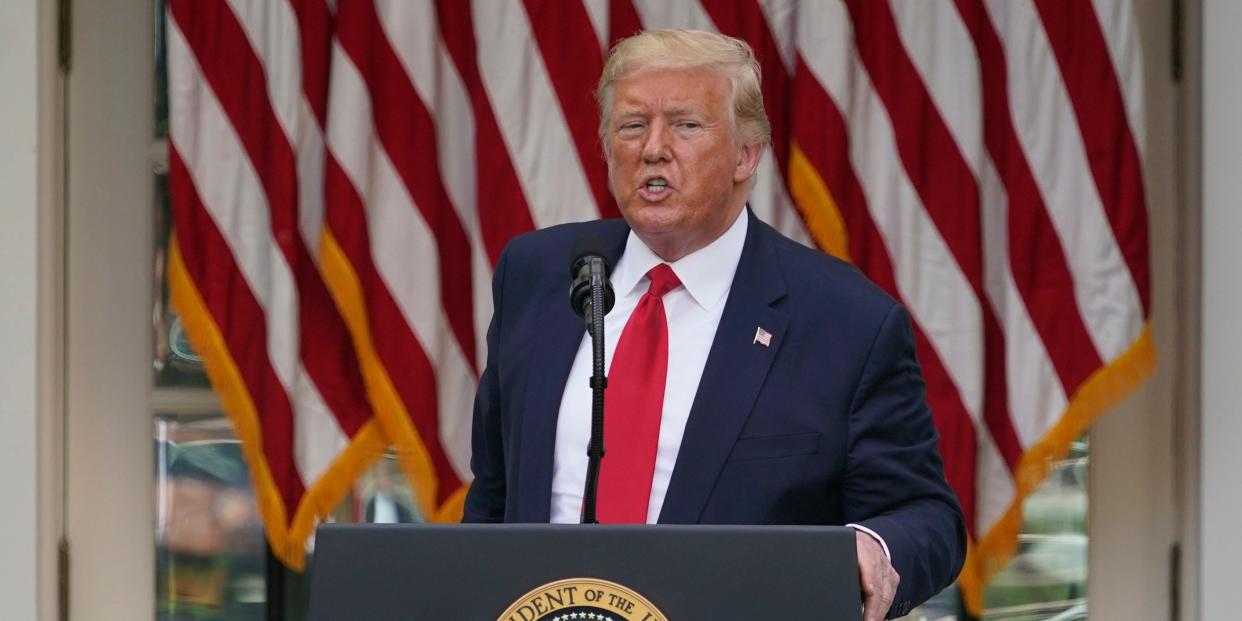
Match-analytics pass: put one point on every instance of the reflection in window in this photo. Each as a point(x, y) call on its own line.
point(1046, 580)
point(174, 361)
point(211, 553)
point(209, 545)
point(386, 497)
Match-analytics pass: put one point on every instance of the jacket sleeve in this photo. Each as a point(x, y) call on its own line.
point(895, 482)
point(485, 502)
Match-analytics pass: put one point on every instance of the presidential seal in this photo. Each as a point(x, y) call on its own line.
point(582, 599)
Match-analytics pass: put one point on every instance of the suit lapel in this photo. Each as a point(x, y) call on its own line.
point(735, 371)
point(559, 343)
point(561, 334)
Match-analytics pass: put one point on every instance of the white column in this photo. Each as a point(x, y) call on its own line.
point(1132, 507)
point(109, 483)
point(1221, 387)
point(19, 316)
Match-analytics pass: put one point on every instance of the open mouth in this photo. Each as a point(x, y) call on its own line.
point(654, 188)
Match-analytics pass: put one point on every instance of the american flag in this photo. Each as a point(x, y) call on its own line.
point(763, 337)
point(344, 175)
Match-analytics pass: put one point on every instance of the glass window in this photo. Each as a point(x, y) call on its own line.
point(1047, 578)
point(161, 73)
point(174, 362)
point(384, 496)
point(210, 553)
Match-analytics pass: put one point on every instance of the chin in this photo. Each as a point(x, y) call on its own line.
point(654, 220)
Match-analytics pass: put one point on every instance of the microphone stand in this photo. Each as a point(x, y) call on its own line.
point(594, 316)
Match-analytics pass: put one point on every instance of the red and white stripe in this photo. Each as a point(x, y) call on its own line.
point(983, 157)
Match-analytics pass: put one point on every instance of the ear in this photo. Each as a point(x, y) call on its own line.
point(747, 162)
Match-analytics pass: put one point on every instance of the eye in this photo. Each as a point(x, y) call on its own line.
point(689, 127)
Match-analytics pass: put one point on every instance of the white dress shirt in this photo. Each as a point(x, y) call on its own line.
point(693, 313)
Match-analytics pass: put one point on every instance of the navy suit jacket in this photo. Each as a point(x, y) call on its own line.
point(828, 425)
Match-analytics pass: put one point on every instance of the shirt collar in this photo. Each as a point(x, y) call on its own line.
point(707, 273)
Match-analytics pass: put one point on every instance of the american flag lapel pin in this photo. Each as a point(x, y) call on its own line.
point(763, 337)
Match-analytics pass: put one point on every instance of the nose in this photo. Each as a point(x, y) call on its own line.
point(656, 144)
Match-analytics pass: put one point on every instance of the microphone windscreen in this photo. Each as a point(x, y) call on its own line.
point(587, 246)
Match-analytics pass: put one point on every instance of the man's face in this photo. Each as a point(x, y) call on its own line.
point(674, 164)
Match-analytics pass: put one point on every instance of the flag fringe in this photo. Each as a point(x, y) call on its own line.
point(412, 454)
point(287, 540)
point(451, 511)
point(819, 211)
point(1098, 394)
point(366, 447)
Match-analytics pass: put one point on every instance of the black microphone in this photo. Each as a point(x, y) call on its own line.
point(591, 297)
point(588, 266)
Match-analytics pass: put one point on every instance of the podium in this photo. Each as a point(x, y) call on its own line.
point(515, 572)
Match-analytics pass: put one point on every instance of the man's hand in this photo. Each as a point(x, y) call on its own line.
point(876, 576)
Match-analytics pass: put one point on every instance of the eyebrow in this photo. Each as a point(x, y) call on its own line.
point(633, 111)
point(683, 111)
point(630, 111)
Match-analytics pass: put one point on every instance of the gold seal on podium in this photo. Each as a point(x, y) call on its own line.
point(582, 599)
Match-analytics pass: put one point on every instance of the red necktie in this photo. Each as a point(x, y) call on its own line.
point(633, 404)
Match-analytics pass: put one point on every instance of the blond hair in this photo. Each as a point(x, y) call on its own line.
point(691, 49)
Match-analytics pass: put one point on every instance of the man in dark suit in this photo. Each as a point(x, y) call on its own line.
point(751, 380)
